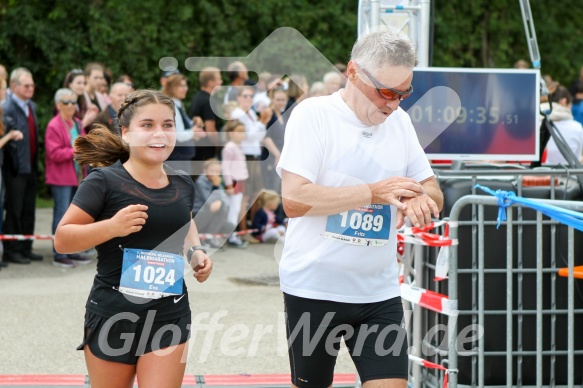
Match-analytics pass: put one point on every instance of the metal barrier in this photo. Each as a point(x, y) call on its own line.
point(543, 182)
point(514, 315)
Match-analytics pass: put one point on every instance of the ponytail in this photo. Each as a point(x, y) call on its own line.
point(100, 148)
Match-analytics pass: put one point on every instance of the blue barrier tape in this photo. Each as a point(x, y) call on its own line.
point(507, 198)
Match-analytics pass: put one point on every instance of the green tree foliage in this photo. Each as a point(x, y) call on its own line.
point(490, 33)
point(51, 37)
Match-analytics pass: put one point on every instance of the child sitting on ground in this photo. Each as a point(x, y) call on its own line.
point(211, 205)
point(270, 227)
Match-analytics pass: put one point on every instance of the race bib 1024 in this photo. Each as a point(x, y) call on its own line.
point(367, 225)
point(151, 274)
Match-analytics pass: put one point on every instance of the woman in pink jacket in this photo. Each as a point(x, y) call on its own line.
point(62, 174)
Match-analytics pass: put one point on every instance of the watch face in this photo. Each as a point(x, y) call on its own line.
point(189, 254)
point(192, 249)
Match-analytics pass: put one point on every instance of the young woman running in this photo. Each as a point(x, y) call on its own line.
point(137, 212)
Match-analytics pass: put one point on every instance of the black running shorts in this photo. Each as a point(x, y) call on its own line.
point(118, 339)
point(374, 334)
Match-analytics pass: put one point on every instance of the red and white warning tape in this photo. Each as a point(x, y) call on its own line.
point(414, 230)
point(431, 365)
point(202, 236)
point(26, 237)
point(420, 236)
point(429, 299)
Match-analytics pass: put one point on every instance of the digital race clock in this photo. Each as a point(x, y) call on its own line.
point(476, 114)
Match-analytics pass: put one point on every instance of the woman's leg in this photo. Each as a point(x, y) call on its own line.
point(163, 368)
point(61, 201)
point(108, 374)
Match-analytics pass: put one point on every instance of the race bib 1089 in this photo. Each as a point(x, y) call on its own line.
point(367, 225)
point(151, 274)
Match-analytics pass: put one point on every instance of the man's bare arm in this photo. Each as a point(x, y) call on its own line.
point(304, 198)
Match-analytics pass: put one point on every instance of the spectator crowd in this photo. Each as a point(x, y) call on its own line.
point(228, 139)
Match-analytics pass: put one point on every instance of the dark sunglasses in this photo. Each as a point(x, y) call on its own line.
point(68, 102)
point(386, 92)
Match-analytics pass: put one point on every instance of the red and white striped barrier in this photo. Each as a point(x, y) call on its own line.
point(414, 230)
point(204, 236)
point(50, 236)
point(235, 380)
point(431, 365)
point(430, 300)
point(420, 236)
point(26, 236)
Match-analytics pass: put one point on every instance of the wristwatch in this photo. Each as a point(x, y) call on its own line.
point(191, 251)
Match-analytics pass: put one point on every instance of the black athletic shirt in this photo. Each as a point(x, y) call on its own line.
point(102, 194)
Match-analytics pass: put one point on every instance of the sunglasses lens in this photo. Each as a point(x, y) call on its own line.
point(403, 96)
point(391, 95)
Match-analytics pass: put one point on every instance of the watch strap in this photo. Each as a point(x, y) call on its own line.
point(193, 249)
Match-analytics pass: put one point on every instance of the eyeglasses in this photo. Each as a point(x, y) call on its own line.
point(68, 102)
point(386, 92)
point(247, 95)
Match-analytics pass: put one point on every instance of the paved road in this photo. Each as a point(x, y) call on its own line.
point(42, 307)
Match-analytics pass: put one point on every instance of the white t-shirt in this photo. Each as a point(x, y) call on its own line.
point(327, 144)
point(183, 134)
point(254, 131)
point(572, 131)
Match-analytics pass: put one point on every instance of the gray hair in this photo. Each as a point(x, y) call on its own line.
point(59, 94)
point(318, 89)
point(384, 47)
point(332, 75)
point(18, 73)
point(116, 85)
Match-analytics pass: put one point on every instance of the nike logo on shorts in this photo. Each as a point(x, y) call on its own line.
point(176, 300)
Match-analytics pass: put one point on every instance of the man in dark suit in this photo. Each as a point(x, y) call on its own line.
point(20, 167)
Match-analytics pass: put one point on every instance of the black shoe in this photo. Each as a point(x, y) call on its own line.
point(79, 259)
point(64, 261)
point(33, 256)
point(16, 258)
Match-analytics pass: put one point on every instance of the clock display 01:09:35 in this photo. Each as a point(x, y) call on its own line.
point(479, 115)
